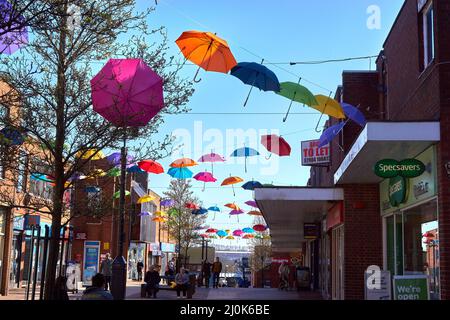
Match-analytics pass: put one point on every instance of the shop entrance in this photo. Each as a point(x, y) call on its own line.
point(338, 263)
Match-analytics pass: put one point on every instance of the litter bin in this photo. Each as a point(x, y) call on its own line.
point(303, 278)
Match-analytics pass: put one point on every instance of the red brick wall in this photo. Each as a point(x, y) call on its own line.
point(363, 245)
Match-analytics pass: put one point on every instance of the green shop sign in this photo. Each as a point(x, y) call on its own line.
point(398, 191)
point(411, 288)
point(408, 168)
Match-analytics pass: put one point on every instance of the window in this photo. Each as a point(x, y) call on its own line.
point(428, 34)
point(21, 183)
point(40, 188)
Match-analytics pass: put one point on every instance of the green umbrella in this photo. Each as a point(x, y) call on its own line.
point(114, 172)
point(298, 93)
point(117, 194)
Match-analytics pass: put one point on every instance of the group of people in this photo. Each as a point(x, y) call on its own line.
point(214, 268)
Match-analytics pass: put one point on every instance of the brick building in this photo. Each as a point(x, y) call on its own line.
point(406, 103)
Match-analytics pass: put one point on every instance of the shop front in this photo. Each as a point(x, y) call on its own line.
point(409, 207)
point(333, 244)
point(136, 254)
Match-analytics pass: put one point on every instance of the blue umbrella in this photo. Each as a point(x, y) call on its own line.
point(251, 185)
point(180, 173)
point(353, 113)
point(245, 152)
point(116, 157)
point(221, 233)
point(214, 209)
point(92, 189)
point(167, 203)
point(248, 230)
point(135, 169)
point(329, 134)
point(256, 75)
point(13, 136)
point(200, 211)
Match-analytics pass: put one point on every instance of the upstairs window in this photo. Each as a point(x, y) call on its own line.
point(428, 34)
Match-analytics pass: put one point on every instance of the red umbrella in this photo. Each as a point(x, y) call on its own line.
point(192, 206)
point(211, 230)
point(151, 166)
point(276, 144)
point(127, 93)
point(260, 228)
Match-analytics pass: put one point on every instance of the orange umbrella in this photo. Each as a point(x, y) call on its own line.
point(159, 219)
point(254, 213)
point(206, 50)
point(183, 163)
point(231, 181)
point(232, 206)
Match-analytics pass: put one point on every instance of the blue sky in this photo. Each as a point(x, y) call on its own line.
point(278, 31)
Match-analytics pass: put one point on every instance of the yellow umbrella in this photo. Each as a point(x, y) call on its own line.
point(145, 199)
point(96, 173)
point(89, 153)
point(329, 106)
point(159, 214)
point(159, 219)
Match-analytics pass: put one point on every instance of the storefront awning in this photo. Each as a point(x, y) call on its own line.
point(287, 209)
point(385, 140)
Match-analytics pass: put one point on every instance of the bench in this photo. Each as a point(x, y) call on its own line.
point(189, 292)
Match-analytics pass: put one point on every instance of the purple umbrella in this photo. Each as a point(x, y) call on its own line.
point(252, 203)
point(236, 213)
point(114, 159)
point(16, 36)
point(353, 113)
point(127, 92)
point(329, 134)
point(167, 203)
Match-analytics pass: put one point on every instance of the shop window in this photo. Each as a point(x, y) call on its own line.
point(390, 244)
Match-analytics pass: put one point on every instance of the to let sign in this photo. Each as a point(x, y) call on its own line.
point(409, 168)
point(312, 155)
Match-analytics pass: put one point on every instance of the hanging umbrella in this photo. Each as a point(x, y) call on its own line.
point(207, 51)
point(248, 230)
point(143, 214)
point(212, 157)
point(115, 158)
point(159, 219)
point(296, 93)
point(256, 75)
point(127, 93)
point(76, 177)
point(238, 233)
point(180, 173)
point(232, 206)
point(230, 238)
point(252, 203)
point(159, 214)
point(96, 173)
point(205, 177)
point(116, 195)
point(267, 237)
point(329, 134)
point(211, 230)
point(41, 177)
point(135, 169)
point(329, 106)
point(183, 163)
point(15, 34)
point(236, 213)
point(11, 136)
point(151, 166)
point(213, 236)
point(354, 113)
point(173, 212)
point(254, 213)
point(248, 236)
point(221, 233)
point(167, 203)
point(92, 189)
point(231, 181)
point(191, 205)
point(92, 154)
point(145, 199)
point(259, 236)
point(276, 145)
point(204, 235)
point(198, 212)
point(245, 153)
point(214, 209)
point(260, 228)
point(251, 185)
point(113, 172)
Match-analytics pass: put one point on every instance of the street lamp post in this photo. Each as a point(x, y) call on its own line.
point(262, 271)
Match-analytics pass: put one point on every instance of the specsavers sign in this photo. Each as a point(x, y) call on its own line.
point(409, 168)
point(400, 192)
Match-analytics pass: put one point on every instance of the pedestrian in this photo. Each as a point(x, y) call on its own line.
point(60, 292)
point(106, 270)
point(140, 266)
point(206, 272)
point(96, 291)
point(182, 282)
point(283, 272)
point(172, 267)
point(152, 279)
point(216, 270)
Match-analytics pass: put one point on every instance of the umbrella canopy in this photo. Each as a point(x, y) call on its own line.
point(353, 113)
point(204, 235)
point(329, 134)
point(276, 145)
point(159, 214)
point(135, 169)
point(211, 157)
point(329, 106)
point(260, 228)
point(191, 205)
point(236, 212)
point(173, 212)
point(230, 238)
point(116, 157)
point(200, 211)
point(251, 185)
point(245, 153)
point(232, 206)
point(96, 173)
point(231, 181)
point(213, 236)
point(143, 214)
point(116, 195)
point(205, 177)
point(11, 136)
point(238, 233)
point(127, 92)
point(159, 219)
point(77, 176)
point(248, 236)
point(221, 233)
point(214, 209)
point(113, 172)
point(211, 230)
point(92, 189)
point(151, 166)
point(296, 93)
point(183, 163)
point(42, 177)
point(254, 213)
point(145, 199)
point(92, 154)
point(252, 203)
point(167, 203)
point(206, 50)
point(248, 230)
point(180, 173)
point(16, 34)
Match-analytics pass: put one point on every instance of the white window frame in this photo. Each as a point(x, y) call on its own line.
point(426, 59)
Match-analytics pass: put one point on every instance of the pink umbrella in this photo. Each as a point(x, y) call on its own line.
point(127, 92)
point(238, 233)
point(212, 157)
point(205, 177)
point(252, 203)
point(236, 213)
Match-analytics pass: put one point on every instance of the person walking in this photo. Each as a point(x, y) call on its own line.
point(106, 270)
point(182, 282)
point(206, 272)
point(216, 270)
point(96, 291)
point(140, 266)
point(283, 272)
point(152, 279)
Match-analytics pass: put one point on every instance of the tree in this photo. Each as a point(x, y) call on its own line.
point(55, 103)
point(182, 224)
point(262, 248)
